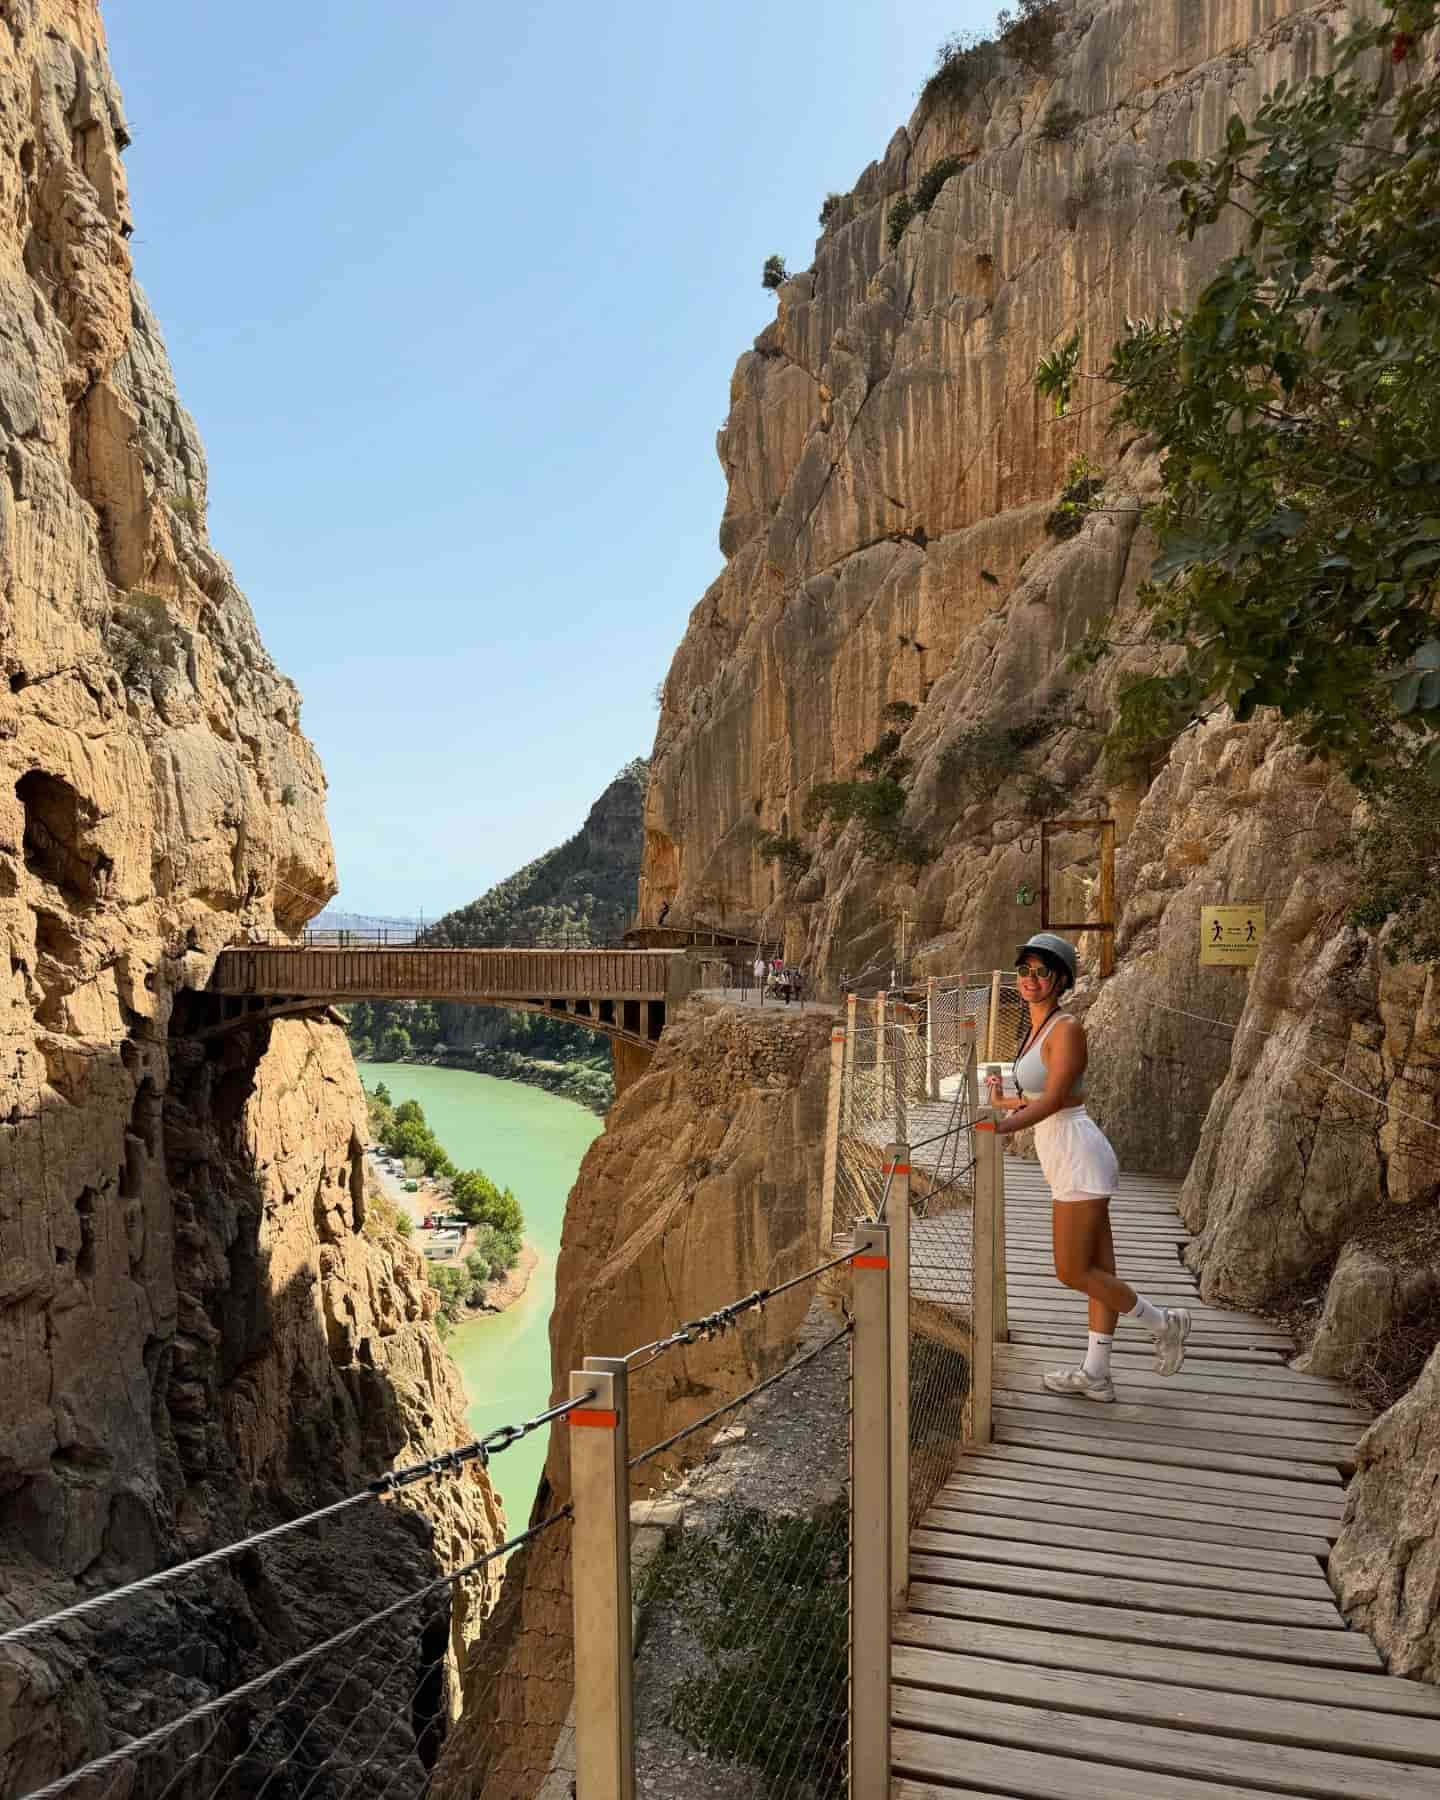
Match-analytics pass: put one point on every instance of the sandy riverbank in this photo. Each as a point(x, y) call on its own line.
point(429, 1198)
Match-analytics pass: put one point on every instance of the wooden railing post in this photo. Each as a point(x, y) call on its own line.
point(982, 1291)
point(932, 1048)
point(990, 1039)
point(870, 1516)
point(832, 1134)
point(604, 1653)
point(1000, 1323)
point(897, 1217)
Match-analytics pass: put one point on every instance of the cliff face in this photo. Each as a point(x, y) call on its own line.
point(196, 1330)
point(889, 538)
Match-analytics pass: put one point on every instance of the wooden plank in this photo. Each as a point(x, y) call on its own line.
point(1161, 1594)
point(923, 1790)
point(1160, 1517)
point(1029, 1775)
point(1134, 1353)
point(1178, 1449)
point(1283, 1768)
point(1066, 1337)
point(1255, 1390)
point(1369, 1699)
point(1299, 1500)
point(1324, 1647)
point(1179, 1415)
point(1132, 1563)
point(1137, 1534)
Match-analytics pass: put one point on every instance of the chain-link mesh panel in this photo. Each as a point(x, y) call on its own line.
point(323, 1665)
point(741, 1567)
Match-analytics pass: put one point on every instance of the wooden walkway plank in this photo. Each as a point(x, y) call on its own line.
point(1200, 1524)
point(1160, 1592)
point(1061, 1525)
point(1028, 1775)
point(1297, 1496)
point(1137, 1563)
point(1138, 1625)
point(1305, 1723)
point(1163, 1445)
point(1278, 1768)
point(1153, 1410)
point(1362, 1694)
point(1071, 1337)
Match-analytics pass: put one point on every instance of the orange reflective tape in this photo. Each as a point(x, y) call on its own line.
point(896, 1169)
point(872, 1262)
point(984, 1124)
point(595, 1415)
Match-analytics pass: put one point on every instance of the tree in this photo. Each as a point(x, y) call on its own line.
point(774, 274)
point(409, 1110)
point(1297, 406)
point(395, 1045)
point(382, 1094)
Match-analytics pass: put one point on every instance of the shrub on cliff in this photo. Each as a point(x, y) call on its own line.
point(1027, 30)
point(774, 274)
point(963, 64)
point(1297, 407)
point(1084, 481)
point(789, 852)
point(902, 211)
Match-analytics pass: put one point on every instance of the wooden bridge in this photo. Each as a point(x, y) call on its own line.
point(1129, 1601)
point(622, 993)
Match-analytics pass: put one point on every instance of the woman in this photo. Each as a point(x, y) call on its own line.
point(1080, 1166)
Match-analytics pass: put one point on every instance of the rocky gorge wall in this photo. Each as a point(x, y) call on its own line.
point(889, 535)
point(201, 1331)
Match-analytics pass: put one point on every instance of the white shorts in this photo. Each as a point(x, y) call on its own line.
point(1075, 1156)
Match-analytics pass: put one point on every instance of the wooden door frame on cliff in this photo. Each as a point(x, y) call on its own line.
point(1105, 924)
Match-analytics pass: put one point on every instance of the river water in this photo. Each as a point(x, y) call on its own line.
point(531, 1142)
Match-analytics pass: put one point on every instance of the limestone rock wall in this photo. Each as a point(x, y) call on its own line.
point(197, 1331)
point(891, 477)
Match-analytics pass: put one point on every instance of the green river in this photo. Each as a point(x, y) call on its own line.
point(531, 1142)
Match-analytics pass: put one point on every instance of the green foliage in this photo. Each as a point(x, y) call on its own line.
point(982, 755)
point(876, 799)
point(899, 712)
point(1027, 30)
point(828, 207)
point(404, 1224)
point(381, 1095)
point(289, 794)
point(143, 637)
point(774, 274)
point(927, 190)
point(789, 852)
point(878, 759)
point(1396, 854)
point(1059, 123)
point(902, 211)
point(1083, 482)
point(772, 1692)
point(963, 64)
point(480, 1202)
point(1297, 406)
point(454, 1286)
point(186, 506)
point(1055, 374)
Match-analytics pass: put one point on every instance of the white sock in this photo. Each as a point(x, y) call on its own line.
point(1097, 1357)
point(1150, 1316)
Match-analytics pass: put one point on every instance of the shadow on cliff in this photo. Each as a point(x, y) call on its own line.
point(175, 1394)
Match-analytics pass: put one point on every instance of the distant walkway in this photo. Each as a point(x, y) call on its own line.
point(750, 996)
point(1129, 1601)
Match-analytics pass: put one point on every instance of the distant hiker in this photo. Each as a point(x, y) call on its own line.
point(759, 973)
point(1080, 1166)
point(664, 913)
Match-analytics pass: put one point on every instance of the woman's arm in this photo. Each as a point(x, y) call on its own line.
point(1064, 1054)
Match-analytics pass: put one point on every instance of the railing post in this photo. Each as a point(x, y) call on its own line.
point(832, 1134)
point(1000, 1323)
point(932, 1049)
point(600, 1573)
point(897, 1217)
point(880, 1010)
point(870, 1520)
point(995, 979)
point(982, 1289)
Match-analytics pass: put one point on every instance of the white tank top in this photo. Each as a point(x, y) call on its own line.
point(1030, 1068)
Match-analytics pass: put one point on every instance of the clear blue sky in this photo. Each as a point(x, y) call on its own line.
point(454, 293)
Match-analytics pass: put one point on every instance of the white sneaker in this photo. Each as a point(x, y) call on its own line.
point(1076, 1381)
point(1170, 1341)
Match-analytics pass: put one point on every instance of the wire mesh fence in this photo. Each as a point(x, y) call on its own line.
point(317, 1659)
point(741, 1570)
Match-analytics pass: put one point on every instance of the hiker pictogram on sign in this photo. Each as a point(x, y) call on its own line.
point(1231, 936)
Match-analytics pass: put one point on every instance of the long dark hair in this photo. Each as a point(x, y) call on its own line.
point(1067, 981)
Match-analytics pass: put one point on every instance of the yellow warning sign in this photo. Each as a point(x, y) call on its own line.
point(1231, 936)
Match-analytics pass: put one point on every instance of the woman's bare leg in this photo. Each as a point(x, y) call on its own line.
point(1104, 1318)
point(1085, 1259)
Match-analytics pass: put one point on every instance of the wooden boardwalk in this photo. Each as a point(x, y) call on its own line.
point(1129, 1602)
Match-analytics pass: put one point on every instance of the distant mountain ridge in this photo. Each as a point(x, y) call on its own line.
point(587, 885)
